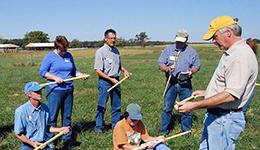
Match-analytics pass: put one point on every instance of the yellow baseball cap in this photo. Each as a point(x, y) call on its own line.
point(217, 24)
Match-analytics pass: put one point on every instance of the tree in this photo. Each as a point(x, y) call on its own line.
point(36, 37)
point(3, 41)
point(75, 44)
point(120, 42)
point(19, 42)
point(91, 44)
point(141, 38)
point(256, 40)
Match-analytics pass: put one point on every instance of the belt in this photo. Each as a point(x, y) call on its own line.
point(219, 111)
point(110, 77)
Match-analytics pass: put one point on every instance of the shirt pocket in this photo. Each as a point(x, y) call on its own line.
point(31, 127)
point(220, 73)
point(108, 61)
point(170, 60)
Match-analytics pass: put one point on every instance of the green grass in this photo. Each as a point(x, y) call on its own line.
point(144, 87)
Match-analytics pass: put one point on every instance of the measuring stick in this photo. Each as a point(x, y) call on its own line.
point(143, 146)
point(169, 79)
point(66, 80)
point(118, 83)
point(50, 140)
point(183, 101)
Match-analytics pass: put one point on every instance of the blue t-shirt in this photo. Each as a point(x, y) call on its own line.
point(61, 66)
point(32, 122)
point(187, 59)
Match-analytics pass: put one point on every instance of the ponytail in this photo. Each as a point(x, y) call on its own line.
point(252, 44)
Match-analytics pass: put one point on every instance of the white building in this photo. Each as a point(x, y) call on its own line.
point(5, 48)
point(40, 46)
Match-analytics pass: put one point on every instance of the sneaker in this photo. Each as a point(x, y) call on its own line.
point(52, 145)
point(98, 130)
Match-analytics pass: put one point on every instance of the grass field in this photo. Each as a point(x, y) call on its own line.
point(144, 87)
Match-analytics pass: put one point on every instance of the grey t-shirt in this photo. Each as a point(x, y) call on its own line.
point(107, 60)
point(236, 74)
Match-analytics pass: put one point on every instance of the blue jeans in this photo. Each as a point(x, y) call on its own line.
point(115, 95)
point(24, 146)
point(184, 91)
point(221, 131)
point(161, 146)
point(60, 100)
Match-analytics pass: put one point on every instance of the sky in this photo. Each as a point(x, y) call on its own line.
point(88, 19)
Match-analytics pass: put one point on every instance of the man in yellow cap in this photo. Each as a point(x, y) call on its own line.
point(231, 86)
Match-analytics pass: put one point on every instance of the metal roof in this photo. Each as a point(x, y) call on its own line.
point(40, 45)
point(8, 46)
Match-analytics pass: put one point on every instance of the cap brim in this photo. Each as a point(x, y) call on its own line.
point(180, 39)
point(37, 88)
point(136, 116)
point(209, 34)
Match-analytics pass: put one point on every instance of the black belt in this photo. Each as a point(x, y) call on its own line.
point(110, 77)
point(219, 111)
point(115, 77)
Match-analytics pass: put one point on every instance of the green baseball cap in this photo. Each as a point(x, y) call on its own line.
point(134, 111)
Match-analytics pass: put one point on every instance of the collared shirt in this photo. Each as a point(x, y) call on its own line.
point(187, 59)
point(108, 60)
point(31, 121)
point(61, 66)
point(236, 74)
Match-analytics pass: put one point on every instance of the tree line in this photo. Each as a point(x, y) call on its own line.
point(141, 39)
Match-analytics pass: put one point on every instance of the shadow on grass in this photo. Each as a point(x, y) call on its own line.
point(79, 127)
point(88, 126)
point(5, 129)
point(177, 119)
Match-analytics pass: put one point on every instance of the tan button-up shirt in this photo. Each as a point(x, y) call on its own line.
point(236, 74)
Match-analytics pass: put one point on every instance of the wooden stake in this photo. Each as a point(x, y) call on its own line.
point(143, 146)
point(169, 79)
point(50, 140)
point(66, 80)
point(183, 101)
point(118, 83)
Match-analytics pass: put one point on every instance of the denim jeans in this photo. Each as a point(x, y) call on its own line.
point(221, 131)
point(24, 146)
point(115, 95)
point(60, 100)
point(184, 91)
point(160, 146)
